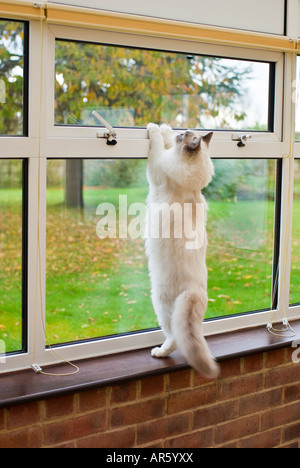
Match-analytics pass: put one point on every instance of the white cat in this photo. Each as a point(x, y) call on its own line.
point(179, 167)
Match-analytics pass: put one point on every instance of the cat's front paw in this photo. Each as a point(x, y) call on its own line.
point(152, 129)
point(167, 134)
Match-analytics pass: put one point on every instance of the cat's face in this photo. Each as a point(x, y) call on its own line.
point(192, 151)
point(190, 142)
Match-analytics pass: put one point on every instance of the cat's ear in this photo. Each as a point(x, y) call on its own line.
point(207, 138)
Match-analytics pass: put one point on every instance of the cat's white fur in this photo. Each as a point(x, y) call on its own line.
point(179, 167)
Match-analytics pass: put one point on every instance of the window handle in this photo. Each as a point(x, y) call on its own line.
point(241, 139)
point(111, 134)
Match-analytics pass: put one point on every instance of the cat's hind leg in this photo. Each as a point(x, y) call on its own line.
point(164, 314)
point(163, 351)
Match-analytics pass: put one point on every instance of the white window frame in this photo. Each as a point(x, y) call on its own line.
point(59, 134)
point(46, 141)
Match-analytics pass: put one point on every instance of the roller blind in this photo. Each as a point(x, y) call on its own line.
point(255, 15)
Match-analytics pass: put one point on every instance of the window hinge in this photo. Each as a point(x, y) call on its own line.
point(39, 5)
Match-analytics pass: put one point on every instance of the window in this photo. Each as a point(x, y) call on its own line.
point(131, 87)
point(12, 254)
point(13, 77)
point(295, 274)
point(240, 236)
point(73, 278)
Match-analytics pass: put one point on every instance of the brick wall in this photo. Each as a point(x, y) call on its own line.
point(255, 403)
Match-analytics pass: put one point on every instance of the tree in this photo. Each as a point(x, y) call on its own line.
point(135, 86)
point(74, 183)
point(11, 76)
point(131, 87)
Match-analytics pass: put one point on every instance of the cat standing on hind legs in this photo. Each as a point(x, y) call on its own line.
point(179, 167)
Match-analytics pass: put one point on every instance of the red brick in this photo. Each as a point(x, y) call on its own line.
point(292, 432)
point(69, 429)
point(93, 399)
point(198, 380)
point(236, 429)
point(138, 412)
point(123, 438)
point(260, 401)
point(198, 439)
point(162, 428)
point(253, 363)
point(24, 415)
point(282, 375)
point(152, 386)
point(193, 398)
point(241, 386)
point(59, 406)
point(268, 439)
point(26, 438)
point(124, 393)
point(276, 358)
point(292, 445)
point(67, 445)
point(231, 368)
point(229, 445)
point(179, 380)
point(280, 416)
point(2, 419)
point(292, 393)
point(218, 413)
point(153, 445)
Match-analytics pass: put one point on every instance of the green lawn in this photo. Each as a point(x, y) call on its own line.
point(295, 273)
point(11, 268)
point(101, 287)
point(105, 281)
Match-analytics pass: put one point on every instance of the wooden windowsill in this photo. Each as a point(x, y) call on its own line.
point(26, 386)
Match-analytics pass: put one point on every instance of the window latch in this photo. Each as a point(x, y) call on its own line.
point(241, 139)
point(110, 134)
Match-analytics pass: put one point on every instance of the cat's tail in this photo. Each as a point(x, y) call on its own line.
point(187, 330)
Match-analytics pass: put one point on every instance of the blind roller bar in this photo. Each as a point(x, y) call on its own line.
point(22, 10)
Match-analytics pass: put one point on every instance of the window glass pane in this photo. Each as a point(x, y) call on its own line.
point(240, 236)
point(295, 274)
point(12, 66)
point(95, 287)
point(98, 284)
point(11, 254)
point(131, 87)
